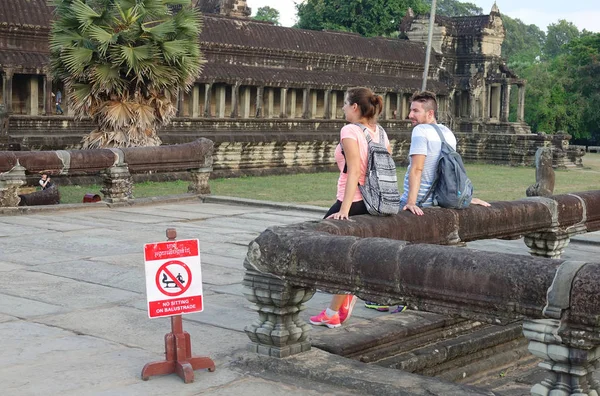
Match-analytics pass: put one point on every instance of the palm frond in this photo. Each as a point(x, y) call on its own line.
point(85, 14)
point(172, 50)
point(159, 31)
point(115, 115)
point(177, 2)
point(108, 78)
point(76, 58)
point(122, 61)
point(131, 56)
point(144, 114)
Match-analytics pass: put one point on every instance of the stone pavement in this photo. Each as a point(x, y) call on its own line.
point(73, 314)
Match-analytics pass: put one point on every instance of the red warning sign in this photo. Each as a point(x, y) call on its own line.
point(173, 278)
point(166, 280)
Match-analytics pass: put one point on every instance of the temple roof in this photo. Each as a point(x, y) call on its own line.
point(24, 60)
point(25, 13)
point(264, 39)
point(466, 25)
point(254, 75)
point(253, 34)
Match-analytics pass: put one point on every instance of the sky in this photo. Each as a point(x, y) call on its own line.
point(583, 13)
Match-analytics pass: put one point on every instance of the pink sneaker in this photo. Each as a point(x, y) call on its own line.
point(347, 307)
point(323, 320)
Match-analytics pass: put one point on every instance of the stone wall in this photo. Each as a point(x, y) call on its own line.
point(250, 147)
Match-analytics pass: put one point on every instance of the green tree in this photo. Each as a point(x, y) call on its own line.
point(552, 104)
point(123, 62)
point(559, 34)
point(453, 8)
point(523, 43)
point(583, 56)
point(368, 18)
point(267, 14)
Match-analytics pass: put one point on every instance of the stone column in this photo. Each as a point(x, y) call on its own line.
point(293, 103)
point(48, 102)
point(386, 107)
point(521, 109)
point(195, 102)
point(483, 101)
point(7, 81)
point(404, 106)
point(199, 180)
point(488, 95)
point(306, 103)
point(314, 103)
point(270, 102)
point(399, 105)
point(570, 355)
point(496, 102)
point(278, 331)
point(118, 184)
point(235, 93)
point(552, 242)
point(334, 105)
point(245, 102)
point(10, 182)
point(327, 104)
point(283, 103)
point(568, 369)
point(207, 94)
point(220, 98)
point(180, 103)
point(259, 101)
point(505, 103)
point(32, 102)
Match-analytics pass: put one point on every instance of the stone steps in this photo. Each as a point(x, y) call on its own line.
point(464, 351)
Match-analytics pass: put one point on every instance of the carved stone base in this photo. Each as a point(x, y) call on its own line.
point(9, 186)
point(118, 185)
point(569, 369)
point(547, 244)
point(199, 181)
point(278, 331)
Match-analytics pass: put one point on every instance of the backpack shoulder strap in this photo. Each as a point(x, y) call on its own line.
point(439, 132)
point(381, 131)
point(437, 176)
point(365, 131)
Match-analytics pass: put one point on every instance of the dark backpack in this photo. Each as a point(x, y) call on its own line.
point(380, 191)
point(451, 187)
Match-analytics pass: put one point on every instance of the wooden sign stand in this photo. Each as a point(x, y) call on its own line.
point(178, 349)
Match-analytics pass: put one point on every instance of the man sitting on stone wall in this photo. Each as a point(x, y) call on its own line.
point(425, 150)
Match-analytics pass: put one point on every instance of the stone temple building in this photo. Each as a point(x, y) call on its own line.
point(270, 97)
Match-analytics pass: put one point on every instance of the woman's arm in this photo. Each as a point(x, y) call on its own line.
point(351, 151)
point(417, 162)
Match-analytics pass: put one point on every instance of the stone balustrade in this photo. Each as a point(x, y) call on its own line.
point(386, 259)
point(115, 165)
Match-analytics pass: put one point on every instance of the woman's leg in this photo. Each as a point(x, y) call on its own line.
point(330, 317)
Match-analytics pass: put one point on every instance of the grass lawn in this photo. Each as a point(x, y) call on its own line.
point(492, 183)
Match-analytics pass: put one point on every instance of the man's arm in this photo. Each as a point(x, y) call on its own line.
point(417, 163)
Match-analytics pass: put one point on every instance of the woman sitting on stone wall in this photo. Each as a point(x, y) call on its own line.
point(361, 106)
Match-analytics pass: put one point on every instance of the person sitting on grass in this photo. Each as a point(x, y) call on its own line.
point(45, 181)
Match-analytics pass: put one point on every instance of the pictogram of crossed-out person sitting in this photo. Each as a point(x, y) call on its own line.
point(168, 282)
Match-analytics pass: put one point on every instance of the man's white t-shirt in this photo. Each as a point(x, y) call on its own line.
point(425, 141)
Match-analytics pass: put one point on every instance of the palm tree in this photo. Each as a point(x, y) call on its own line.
point(123, 63)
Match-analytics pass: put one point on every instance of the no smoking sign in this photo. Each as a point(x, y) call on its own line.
point(173, 278)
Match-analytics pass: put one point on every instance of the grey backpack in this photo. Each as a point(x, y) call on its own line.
point(451, 187)
point(380, 191)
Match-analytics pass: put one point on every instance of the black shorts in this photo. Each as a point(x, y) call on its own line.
point(357, 208)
